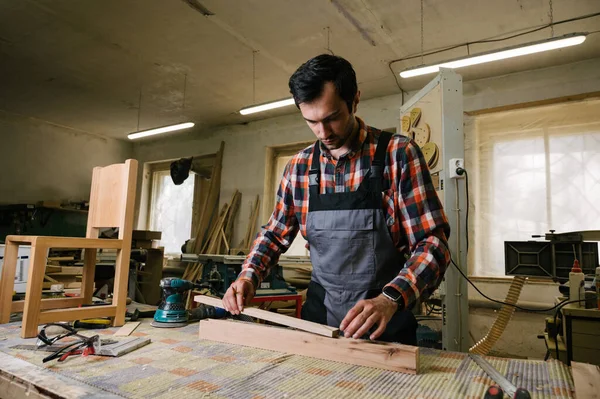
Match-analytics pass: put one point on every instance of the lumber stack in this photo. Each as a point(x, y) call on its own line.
point(210, 206)
point(251, 229)
point(221, 230)
point(61, 268)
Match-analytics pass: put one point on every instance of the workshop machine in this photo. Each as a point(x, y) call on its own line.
point(172, 312)
point(554, 256)
point(219, 271)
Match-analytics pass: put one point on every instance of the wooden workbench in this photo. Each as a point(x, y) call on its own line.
point(178, 364)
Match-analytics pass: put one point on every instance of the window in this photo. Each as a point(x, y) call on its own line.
point(298, 247)
point(276, 160)
point(531, 170)
point(171, 210)
point(174, 209)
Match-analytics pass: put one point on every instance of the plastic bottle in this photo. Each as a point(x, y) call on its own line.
point(576, 281)
point(598, 285)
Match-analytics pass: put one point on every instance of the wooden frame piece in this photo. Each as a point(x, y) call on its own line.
point(382, 355)
point(287, 321)
point(127, 329)
point(587, 380)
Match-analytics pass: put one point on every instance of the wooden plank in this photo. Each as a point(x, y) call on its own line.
point(61, 258)
point(146, 235)
point(123, 347)
point(587, 380)
point(35, 280)
point(69, 242)
point(69, 269)
point(233, 212)
point(7, 279)
point(46, 277)
point(66, 274)
point(127, 329)
point(50, 303)
point(65, 284)
point(212, 200)
point(51, 316)
point(287, 321)
point(382, 355)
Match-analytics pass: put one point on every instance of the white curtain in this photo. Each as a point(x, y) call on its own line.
point(171, 210)
point(530, 170)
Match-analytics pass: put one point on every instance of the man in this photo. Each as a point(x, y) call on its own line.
point(364, 201)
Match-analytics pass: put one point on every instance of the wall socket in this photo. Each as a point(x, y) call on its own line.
point(453, 165)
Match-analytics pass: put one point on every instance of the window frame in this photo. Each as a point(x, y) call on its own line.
point(203, 165)
point(485, 173)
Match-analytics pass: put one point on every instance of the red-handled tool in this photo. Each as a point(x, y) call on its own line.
point(505, 385)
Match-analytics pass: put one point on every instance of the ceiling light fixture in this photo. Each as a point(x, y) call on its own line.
point(571, 39)
point(267, 106)
point(164, 129)
point(159, 130)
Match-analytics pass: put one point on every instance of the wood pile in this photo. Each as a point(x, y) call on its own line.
point(61, 268)
point(221, 229)
point(251, 229)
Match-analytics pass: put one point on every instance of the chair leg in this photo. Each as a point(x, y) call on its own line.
point(7, 280)
point(33, 296)
point(120, 287)
point(89, 268)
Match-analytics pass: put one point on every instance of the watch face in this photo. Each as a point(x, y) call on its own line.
point(392, 293)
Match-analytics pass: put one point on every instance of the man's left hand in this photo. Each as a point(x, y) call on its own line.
point(365, 314)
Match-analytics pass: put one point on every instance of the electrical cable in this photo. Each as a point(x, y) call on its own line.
point(501, 302)
point(550, 25)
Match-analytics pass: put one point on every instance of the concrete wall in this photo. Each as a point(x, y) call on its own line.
point(244, 165)
point(42, 161)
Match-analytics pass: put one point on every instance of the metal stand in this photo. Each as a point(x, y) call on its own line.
point(443, 99)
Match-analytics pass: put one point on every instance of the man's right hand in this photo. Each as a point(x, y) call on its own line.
point(239, 294)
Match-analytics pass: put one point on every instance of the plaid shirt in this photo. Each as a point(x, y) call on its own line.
point(414, 214)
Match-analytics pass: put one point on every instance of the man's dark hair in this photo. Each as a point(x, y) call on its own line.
point(308, 82)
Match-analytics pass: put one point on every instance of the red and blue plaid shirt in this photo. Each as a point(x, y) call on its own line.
point(414, 214)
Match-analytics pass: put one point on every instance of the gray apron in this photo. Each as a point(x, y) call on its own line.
point(351, 250)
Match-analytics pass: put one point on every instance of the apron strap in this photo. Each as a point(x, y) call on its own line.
point(315, 171)
point(378, 164)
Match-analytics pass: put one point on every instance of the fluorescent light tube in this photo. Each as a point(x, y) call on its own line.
point(160, 130)
point(517, 51)
point(265, 107)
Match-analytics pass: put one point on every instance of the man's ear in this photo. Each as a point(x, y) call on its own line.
point(355, 102)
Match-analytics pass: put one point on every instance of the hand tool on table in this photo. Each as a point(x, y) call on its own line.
point(505, 386)
point(172, 312)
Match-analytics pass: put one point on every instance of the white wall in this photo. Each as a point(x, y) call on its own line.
point(41, 161)
point(244, 155)
point(244, 161)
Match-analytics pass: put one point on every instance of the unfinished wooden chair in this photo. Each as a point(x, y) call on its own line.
point(112, 201)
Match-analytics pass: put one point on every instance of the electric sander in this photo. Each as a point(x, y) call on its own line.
point(172, 313)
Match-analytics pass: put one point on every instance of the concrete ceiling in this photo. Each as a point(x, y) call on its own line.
point(83, 64)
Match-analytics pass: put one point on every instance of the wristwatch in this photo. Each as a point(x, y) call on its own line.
point(394, 295)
